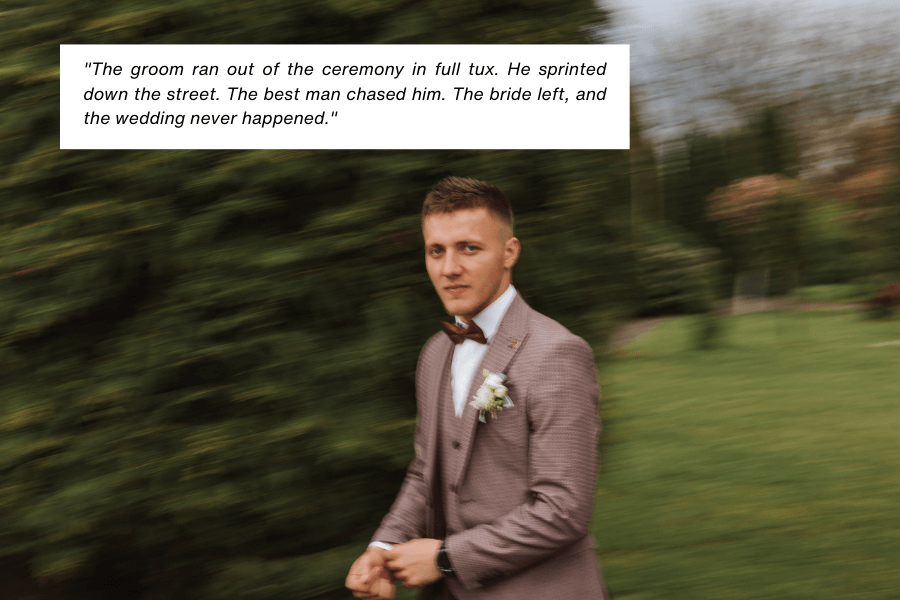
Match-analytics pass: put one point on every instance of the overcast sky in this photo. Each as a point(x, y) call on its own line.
point(643, 23)
point(649, 26)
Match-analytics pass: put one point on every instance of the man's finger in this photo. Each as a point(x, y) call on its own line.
point(356, 580)
point(352, 581)
point(399, 573)
point(384, 589)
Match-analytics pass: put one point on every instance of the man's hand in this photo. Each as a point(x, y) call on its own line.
point(368, 577)
point(414, 563)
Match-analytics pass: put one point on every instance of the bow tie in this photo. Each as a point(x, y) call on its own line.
point(458, 334)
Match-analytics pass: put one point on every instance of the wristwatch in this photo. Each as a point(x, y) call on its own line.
point(443, 561)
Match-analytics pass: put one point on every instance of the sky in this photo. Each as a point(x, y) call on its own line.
point(650, 26)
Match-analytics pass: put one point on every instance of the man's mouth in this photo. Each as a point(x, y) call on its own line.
point(456, 290)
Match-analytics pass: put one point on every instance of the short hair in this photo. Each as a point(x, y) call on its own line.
point(457, 193)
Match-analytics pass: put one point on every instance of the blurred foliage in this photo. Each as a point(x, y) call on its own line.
point(763, 214)
point(689, 172)
point(700, 163)
point(675, 274)
point(775, 150)
point(832, 250)
point(207, 358)
point(886, 302)
point(870, 185)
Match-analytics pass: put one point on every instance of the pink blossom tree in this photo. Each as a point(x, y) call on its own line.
point(764, 214)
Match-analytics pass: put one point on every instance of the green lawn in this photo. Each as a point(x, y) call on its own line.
point(843, 292)
point(767, 469)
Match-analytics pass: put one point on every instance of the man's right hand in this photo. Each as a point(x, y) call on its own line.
point(368, 578)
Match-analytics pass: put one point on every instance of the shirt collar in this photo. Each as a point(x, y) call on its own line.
point(489, 319)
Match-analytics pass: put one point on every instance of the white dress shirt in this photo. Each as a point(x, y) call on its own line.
point(468, 354)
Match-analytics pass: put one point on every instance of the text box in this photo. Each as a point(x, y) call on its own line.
point(390, 97)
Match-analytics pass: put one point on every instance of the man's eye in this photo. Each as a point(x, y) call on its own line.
point(471, 248)
point(435, 251)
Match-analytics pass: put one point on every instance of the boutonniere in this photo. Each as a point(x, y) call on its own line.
point(492, 396)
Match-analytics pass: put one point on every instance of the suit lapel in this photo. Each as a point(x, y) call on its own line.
point(500, 352)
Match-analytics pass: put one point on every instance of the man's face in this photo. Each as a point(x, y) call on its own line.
point(468, 254)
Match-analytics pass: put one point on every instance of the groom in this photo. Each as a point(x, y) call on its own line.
point(498, 509)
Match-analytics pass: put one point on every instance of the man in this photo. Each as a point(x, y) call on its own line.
point(498, 508)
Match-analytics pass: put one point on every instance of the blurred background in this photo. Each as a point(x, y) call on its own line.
point(207, 357)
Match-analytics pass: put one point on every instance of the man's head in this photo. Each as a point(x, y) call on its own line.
point(469, 245)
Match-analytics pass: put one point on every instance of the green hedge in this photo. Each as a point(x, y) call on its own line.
point(675, 274)
point(188, 386)
point(207, 358)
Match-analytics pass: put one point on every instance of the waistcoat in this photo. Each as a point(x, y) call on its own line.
point(450, 433)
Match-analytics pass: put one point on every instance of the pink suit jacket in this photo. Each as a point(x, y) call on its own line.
point(524, 483)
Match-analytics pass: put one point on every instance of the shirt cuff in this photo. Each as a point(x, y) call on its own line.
point(382, 545)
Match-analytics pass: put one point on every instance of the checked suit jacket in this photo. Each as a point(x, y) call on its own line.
point(519, 497)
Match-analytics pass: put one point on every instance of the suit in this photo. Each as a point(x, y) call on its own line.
point(512, 497)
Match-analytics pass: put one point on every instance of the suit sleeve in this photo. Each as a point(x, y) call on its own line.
point(406, 519)
point(563, 402)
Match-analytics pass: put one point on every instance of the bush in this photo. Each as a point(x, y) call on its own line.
point(193, 384)
point(207, 357)
point(831, 249)
point(885, 303)
point(674, 278)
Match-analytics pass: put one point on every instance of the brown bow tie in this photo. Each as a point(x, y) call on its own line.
point(458, 334)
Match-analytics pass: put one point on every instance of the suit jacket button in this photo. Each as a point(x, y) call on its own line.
point(455, 445)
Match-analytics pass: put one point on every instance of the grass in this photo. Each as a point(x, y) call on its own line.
point(843, 292)
point(765, 469)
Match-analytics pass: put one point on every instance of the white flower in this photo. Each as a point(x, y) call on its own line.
point(494, 379)
point(483, 398)
point(491, 396)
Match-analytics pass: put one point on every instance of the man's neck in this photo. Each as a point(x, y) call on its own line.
point(489, 318)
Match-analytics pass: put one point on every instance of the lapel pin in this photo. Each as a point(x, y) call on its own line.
point(514, 345)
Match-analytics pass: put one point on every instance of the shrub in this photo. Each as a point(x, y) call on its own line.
point(885, 303)
point(831, 250)
point(673, 277)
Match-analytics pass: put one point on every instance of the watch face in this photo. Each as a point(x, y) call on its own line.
point(443, 562)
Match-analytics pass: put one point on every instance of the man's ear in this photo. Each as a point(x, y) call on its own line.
point(511, 251)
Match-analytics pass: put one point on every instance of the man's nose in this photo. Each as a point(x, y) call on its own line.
point(452, 266)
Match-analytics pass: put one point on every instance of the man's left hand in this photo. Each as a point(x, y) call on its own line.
point(414, 563)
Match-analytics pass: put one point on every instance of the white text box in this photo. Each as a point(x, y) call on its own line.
point(388, 97)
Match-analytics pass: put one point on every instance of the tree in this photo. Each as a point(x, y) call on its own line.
point(871, 185)
point(764, 213)
point(691, 171)
point(825, 71)
point(207, 358)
